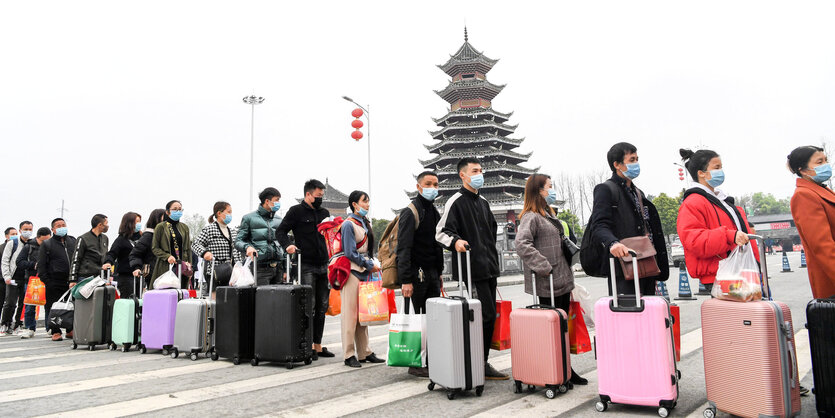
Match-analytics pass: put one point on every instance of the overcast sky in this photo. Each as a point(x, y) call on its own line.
point(115, 106)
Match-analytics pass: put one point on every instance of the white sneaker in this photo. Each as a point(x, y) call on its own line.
point(27, 334)
point(18, 331)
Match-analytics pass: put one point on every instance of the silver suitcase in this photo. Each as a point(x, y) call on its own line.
point(194, 325)
point(454, 340)
point(92, 317)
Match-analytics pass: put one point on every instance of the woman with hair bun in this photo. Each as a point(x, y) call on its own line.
point(813, 210)
point(709, 224)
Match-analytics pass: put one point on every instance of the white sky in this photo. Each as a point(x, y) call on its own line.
point(118, 106)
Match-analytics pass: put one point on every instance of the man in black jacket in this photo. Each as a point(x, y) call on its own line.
point(302, 220)
point(91, 251)
point(468, 222)
point(54, 269)
point(420, 259)
point(616, 215)
point(8, 233)
point(27, 261)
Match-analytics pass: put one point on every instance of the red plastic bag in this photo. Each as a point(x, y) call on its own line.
point(35, 292)
point(578, 334)
point(392, 304)
point(501, 331)
point(674, 310)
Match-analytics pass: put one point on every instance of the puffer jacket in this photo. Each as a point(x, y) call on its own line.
point(258, 231)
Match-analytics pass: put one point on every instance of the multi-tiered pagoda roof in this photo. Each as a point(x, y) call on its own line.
point(472, 128)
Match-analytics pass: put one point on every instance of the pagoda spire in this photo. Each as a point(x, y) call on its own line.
point(466, 39)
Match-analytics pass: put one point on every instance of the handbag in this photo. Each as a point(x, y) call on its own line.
point(223, 273)
point(185, 268)
point(570, 250)
point(407, 339)
point(62, 312)
point(647, 265)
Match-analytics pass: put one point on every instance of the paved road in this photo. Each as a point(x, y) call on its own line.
point(41, 377)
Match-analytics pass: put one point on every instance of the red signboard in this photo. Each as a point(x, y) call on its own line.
point(781, 225)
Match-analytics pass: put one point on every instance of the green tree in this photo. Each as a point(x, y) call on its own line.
point(572, 220)
point(378, 226)
point(767, 204)
point(195, 223)
point(668, 212)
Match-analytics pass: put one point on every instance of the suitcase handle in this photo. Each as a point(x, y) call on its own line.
point(638, 303)
point(469, 275)
point(536, 303)
point(763, 265)
point(290, 264)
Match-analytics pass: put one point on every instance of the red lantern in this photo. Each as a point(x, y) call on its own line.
point(681, 170)
point(356, 112)
point(681, 178)
point(356, 135)
point(356, 123)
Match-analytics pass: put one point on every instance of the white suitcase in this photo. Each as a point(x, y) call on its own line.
point(454, 340)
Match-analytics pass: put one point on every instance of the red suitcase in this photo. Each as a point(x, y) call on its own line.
point(540, 354)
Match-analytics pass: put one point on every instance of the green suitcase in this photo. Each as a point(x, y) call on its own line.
point(127, 317)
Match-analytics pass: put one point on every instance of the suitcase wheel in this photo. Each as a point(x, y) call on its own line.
point(214, 357)
point(479, 390)
point(142, 349)
point(517, 387)
point(174, 353)
point(431, 386)
point(601, 406)
point(91, 347)
point(531, 388)
point(450, 395)
point(112, 346)
point(663, 412)
point(165, 352)
point(550, 393)
point(74, 345)
point(709, 413)
point(307, 361)
point(290, 366)
point(193, 356)
point(254, 361)
point(235, 360)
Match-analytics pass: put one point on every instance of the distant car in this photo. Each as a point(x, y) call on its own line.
point(677, 252)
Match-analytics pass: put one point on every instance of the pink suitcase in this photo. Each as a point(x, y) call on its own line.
point(635, 351)
point(750, 357)
point(539, 337)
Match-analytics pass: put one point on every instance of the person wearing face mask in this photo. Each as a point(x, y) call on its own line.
point(709, 224)
point(539, 245)
point(468, 221)
point(356, 230)
point(91, 251)
point(257, 238)
point(13, 303)
point(215, 243)
point(420, 259)
point(813, 210)
point(54, 269)
point(27, 261)
point(302, 220)
point(172, 245)
point(8, 236)
point(130, 230)
point(621, 210)
point(141, 258)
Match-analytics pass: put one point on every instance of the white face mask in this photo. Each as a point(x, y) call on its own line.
point(27, 234)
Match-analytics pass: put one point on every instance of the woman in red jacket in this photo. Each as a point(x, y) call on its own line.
point(709, 225)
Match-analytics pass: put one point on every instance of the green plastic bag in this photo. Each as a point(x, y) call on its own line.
point(407, 340)
point(76, 291)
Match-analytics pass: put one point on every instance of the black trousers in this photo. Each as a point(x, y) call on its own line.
point(561, 302)
point(430, 287)
point(485, 291)
point(268, 274)
point(13, 304)
point(317, 278)
point(127, 284)
point(53, 294)
point(627, 287)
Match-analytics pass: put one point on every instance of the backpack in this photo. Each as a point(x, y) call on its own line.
point(593, 255)
point(338, 265)
point(388, 250)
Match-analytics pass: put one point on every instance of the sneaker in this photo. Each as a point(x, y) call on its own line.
point(27, 334)
point(18, 331)
point(69, 335)
point(57, 337)
point(5, 333)
point(492, 374)
point(419, 371)
point(804, 391)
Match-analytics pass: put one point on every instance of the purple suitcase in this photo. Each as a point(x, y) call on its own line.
point(159, 311)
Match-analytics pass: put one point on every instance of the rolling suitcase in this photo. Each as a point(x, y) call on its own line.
point(194, 325)
point(540, 354)
point(749, 356)
point(283, 322)
point(635, 351)
point(91, 325)
point(127, 319)
point(454, 340)
point(158, 315)
point(820, 320)
point(235, 323)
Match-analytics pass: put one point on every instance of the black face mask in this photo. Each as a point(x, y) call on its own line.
point(317, 202)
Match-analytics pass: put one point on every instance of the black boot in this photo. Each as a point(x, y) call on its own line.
point(577, 380)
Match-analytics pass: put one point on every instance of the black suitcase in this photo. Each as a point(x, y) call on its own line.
point(820, 320)
point(283, 323)
point(235, 323)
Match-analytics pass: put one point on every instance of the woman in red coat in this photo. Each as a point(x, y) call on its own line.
point(813, 210)
point(709, 225)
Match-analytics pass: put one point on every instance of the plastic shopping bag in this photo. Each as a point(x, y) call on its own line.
point(85, 287)
point(334, 303)
point(738, 277)
point(372, 303)
point(578, 334)
point(167, 280)
point(241, 275)
point(582, 295)
point(407, 340)
point(501, 329)
point(35, 292)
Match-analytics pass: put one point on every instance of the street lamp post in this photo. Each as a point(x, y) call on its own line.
point(252, 101)
point(368, 129)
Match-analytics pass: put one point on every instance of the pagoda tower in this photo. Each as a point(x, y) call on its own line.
point(472, 128)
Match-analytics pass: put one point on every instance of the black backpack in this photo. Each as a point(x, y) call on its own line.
point(594, 257)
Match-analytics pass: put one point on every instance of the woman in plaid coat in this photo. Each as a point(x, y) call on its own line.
point(216, 243)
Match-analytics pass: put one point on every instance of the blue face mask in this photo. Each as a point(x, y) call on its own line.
point(717, 177)
point(362, 212)
point(476, 181)
point(632, 171)
point(429, 193)
point(176, 215)
point(138, 227)
point(276, 206)
point(823, 173)
point(14, 238)
point(61, 232)
point(227, 219)
point(552, 197)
